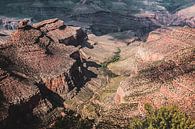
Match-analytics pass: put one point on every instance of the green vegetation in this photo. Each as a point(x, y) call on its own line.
point(113, 59)
point(168, 117)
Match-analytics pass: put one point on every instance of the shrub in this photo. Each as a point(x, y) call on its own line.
point(113, 59)
point(104, 65)
point(168, 117)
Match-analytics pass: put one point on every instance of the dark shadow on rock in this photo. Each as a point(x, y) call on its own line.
point(140, 34)
point(5, 63)
point(20, 116)
point(87, 45)
point(27, 27)
point(73, 120)
point(78, 40)
point(80, 74)
point(62, 27)
point(104, 22)
point(3, 35)
point(91, 64)
point(53, 97)
point(2, 98)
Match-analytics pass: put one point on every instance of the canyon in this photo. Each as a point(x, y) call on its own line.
point(103, 16)
point(49, 66)
point(105, 70)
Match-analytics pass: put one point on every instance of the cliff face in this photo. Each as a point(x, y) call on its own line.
point(39, 53)
point(166, 76)
point(18, 99)
point(38, 69)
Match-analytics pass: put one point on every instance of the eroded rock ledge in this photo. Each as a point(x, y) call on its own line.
point(39, 67)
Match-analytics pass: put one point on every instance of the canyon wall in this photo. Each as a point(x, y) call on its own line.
point(39, 67)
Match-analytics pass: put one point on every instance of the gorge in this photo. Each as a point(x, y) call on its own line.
point(98, 60)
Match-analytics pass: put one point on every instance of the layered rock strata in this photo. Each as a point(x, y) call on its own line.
point(48, 66)
point(159, 72)
point(39, 67)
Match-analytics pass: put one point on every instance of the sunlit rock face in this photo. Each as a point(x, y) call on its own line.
point(42, 52)
point(185, 16)
point(165, 71)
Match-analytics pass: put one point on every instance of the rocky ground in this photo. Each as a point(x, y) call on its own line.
point(48, 66)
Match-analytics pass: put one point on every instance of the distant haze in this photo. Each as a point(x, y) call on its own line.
point(44, 9)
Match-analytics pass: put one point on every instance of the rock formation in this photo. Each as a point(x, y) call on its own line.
point(49, 66)
point(18, 98)
point(38, 68)
point(38, 53)
point(13, 23)
point(166, 75)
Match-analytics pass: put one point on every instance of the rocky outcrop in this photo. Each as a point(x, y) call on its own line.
point(38, 71)
point(37, 53)
point(181, 17)
point(60, 33)
point(4, 36)
point(12, 23)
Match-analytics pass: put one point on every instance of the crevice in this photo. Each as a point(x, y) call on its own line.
point(45, 47)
